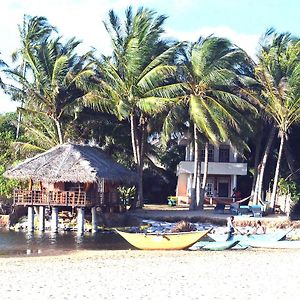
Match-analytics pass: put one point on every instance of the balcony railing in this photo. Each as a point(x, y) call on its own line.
point(63, 198)
point(214, 168)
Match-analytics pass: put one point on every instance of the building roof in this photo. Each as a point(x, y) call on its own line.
point(71, 163)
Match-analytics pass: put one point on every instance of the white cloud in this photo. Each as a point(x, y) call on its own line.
point(84, 20)
point(247, 42)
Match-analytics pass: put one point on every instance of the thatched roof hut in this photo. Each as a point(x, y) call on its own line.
point(71, 163)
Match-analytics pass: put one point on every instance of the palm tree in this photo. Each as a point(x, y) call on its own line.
point(57, 82)
point(33, 32)
point(135, 83)
point(209, 70)
point(278, 74)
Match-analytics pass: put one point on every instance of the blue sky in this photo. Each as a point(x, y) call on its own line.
point(242, 21)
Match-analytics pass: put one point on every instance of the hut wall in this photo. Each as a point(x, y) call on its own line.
point(58, 186)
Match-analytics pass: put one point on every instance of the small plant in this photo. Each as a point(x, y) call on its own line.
point(127, 194)
point(289, 187)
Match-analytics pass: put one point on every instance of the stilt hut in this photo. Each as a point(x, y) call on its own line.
point(69, 175)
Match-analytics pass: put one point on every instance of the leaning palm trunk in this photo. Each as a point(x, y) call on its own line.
point(133, 130)
point(199, 190)
point(197, 166)
point(260, 178)
point(58, 127)
point(276, 176)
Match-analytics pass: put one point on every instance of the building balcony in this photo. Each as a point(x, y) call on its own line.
point(214, 168)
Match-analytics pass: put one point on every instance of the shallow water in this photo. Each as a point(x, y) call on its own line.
point(37, 243)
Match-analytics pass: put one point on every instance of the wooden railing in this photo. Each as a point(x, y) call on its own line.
point(54, 198)
point(64, 198)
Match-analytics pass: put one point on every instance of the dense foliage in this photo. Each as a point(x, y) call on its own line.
point(138, 102)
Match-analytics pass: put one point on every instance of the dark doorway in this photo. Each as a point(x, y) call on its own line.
point(223, 189)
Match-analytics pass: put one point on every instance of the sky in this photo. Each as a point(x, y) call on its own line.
point(242, 21)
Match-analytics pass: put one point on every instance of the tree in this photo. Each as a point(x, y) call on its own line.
point(33, 32)
point(209, 72)
point(57, 82)
point(135, 82)
point(278, 74)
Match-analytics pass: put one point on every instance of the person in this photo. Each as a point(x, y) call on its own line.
point(230, 228)
point(236, 195)
point(260, 228)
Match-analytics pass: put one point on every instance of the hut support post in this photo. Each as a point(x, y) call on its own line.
point(54, 219)
point(80, 219)
point(30, 225)
point(94, 220)
point(41, 218)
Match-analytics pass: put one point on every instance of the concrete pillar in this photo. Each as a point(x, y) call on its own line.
point(234, 182)
point(94, 220)
point(54, 219)
point(80, 219)
point(30, 220)
point(41, 218)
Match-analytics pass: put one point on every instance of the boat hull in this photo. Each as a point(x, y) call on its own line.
point(163, 241)
point(214, 246)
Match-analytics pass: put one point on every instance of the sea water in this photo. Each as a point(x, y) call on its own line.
point(46, 243)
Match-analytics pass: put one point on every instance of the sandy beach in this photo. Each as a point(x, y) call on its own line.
point(248, 274)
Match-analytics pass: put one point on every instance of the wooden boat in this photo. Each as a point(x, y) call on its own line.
point(270, 237)
point(275, 244)
point(214, 246)
point(163, 241)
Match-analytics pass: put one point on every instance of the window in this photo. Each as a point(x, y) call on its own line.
point(224, 154)
point(209, 189)
point(210, 153)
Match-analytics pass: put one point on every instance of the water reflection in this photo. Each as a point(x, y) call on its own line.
point(34, 243)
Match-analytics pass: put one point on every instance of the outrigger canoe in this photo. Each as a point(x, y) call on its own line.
point(246, 239)
point(163, 241)
point(214, 246)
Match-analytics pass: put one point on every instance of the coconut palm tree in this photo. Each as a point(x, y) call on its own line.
point(135, 83)
point(209, 71)
point(56, 84)
point(33, 32)
point(278, 74)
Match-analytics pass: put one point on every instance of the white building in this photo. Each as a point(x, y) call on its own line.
point(223, 169)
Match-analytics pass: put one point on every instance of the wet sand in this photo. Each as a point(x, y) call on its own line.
point(248, 274)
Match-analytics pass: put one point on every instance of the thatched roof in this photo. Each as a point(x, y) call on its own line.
point(71, 163)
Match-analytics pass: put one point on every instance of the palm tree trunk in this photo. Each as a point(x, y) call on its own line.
point(262, 167)
point(193, 203)
point(138, 148)
point(205, 171)
point(256, 160)
point(276, 176)
point(133, 131)
point(200, 191)
point(58, 127)
point(22, 104)
point(141, 167)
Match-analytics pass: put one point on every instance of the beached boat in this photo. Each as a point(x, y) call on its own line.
point(275, 244)
point(163, 241)
point(278, 235)
point(214, 246)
